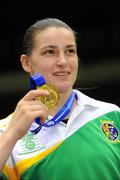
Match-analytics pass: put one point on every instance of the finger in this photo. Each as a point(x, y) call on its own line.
point(35, 107)
point(31, 95)
point(33, 102)
point(39, 114)
point(29, 105)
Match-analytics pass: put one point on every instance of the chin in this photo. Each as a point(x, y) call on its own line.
point(64, 89)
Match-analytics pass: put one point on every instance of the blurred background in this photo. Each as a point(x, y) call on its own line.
point(98, 28)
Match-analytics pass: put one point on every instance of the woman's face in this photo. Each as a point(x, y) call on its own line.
point(54, 55)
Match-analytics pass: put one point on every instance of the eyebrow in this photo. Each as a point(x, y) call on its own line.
point(53, 46)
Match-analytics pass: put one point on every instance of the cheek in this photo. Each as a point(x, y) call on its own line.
point(44, 71)
point(74, 65)
point(75, 70)
point(38, 67)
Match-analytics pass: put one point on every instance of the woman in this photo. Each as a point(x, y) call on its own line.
point(83, 141)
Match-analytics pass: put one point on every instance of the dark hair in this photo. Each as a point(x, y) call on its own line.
point(39, 26)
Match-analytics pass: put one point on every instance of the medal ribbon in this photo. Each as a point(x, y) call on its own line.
point(38, 80)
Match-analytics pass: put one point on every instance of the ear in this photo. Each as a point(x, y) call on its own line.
point(25, 61)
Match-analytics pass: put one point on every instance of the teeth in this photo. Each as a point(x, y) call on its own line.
point(61, 74)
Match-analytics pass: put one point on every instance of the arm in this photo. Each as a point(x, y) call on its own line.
point(7, 143)
point(27, 109)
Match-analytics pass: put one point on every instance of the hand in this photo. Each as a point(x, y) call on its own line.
point(27, 109)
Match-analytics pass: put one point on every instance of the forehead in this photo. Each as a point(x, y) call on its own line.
point(54, 35)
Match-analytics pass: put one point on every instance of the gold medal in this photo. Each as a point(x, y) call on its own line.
point(52, 99)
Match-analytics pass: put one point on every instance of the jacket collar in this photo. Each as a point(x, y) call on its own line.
point(85, 101)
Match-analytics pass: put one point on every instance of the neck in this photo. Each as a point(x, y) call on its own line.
point(62, 101)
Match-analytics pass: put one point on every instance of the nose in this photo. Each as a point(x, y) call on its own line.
point(61, 60)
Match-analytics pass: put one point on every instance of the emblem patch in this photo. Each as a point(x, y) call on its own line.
point(110, 131)
point(29, 144)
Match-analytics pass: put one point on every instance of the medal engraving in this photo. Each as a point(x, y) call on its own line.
point(52, 99)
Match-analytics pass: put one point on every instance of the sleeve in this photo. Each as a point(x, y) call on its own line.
point(2, 176)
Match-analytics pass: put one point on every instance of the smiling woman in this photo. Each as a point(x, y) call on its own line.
point(58, 146)
point(59, 55)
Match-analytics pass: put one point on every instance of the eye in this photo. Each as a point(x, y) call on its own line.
point(49, 52)
point(71, 51)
